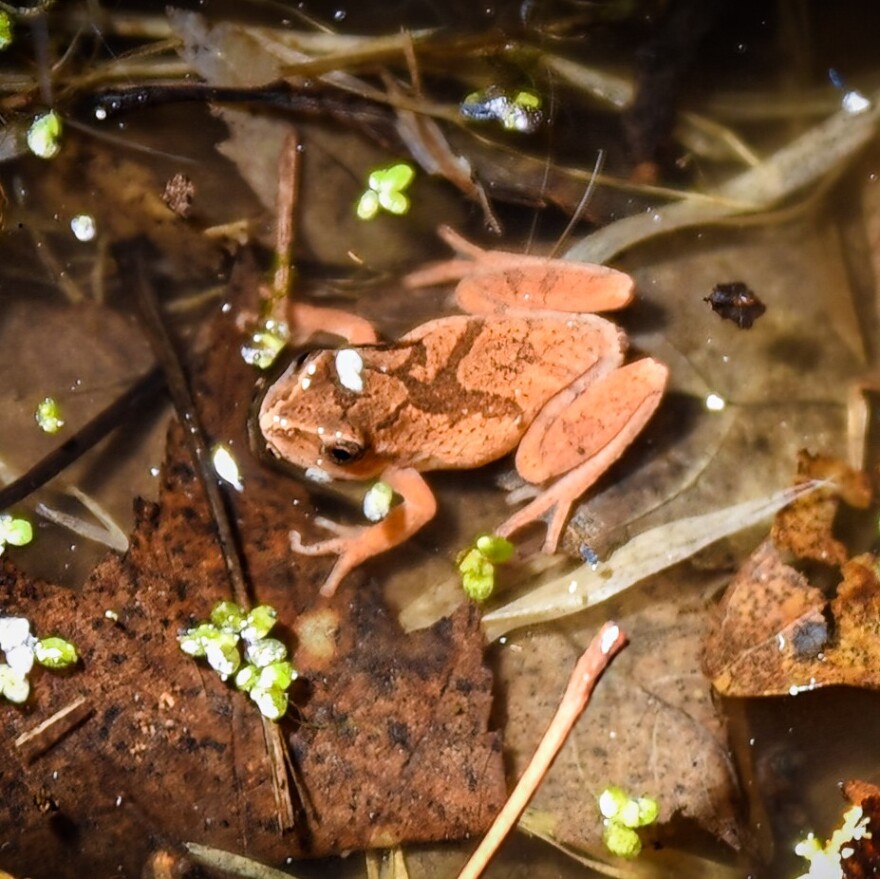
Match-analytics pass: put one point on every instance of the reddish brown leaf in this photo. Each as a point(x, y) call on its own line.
point(857, 790)
point(775, 634)
point(805, 527)
point(390, 742)
point(860, 858)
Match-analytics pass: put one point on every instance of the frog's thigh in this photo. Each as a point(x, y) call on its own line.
point(590, 434)
point(593, 427)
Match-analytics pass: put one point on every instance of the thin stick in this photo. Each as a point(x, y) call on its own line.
point(603, 648)
point(285, 231)
point(196, 440)
point(581, 206)
point(46, 734)
point(185, 406)
point(132, 402)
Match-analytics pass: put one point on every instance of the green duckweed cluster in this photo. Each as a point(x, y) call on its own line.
point(265, 342)
point(236, 645)
point(476, 564)
point(44, 135)
point(14, 531)
point(48, 415)
point(515, 110)
point(386, 190)
point(21, 649)
point(622, 815)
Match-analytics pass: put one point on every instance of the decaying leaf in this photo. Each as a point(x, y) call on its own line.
point(857, 790)
point(805, 526)
point(775, 634)
point(651, 728)
point(390, 741)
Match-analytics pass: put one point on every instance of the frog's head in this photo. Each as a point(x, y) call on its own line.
point(303, 418)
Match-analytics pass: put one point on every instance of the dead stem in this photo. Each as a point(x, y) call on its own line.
point(131, 402)
point(66, 284)
point(428, 144)
point(285, 229)
point(44, 735)
point(232, 864)
point(581, 206)
point(195, 438)
point(602, 649)
point(27, 12)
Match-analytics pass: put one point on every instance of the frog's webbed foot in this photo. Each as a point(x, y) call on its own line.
point(351, 544)
point(468, 257)
point(330, 546)
point(354, 544)
point(554, 499)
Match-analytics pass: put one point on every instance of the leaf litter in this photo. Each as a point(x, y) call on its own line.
point(576, 804)
point(774, 633)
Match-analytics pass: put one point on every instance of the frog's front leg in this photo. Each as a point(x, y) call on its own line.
point(355, 544)
point(578, 435)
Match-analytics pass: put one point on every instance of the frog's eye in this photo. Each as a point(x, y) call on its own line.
point(345, 452)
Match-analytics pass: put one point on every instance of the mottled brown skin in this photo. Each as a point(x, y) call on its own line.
point(532, 373)
point(425, 402)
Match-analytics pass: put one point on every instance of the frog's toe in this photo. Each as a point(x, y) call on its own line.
point(547, 502)
point(320, 547)
point(555, 526)
point(524, 492)
point(348, 532)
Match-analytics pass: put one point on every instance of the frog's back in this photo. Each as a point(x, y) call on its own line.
point(465, 388)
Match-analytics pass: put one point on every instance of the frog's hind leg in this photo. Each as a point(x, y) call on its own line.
point(581, 438)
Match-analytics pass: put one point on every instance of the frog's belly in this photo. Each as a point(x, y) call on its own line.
point(473, 386)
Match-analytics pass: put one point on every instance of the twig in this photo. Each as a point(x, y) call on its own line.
point(38, 740)
point(123, 407)
point(347, 109)
point(194, 434)
point(603, 648)
point(581, 206)
point(196, 440)
point(285, 228)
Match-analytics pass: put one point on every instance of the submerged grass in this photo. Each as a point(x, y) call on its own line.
point(646, 554)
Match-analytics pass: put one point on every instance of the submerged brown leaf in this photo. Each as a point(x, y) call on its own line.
point(775, 634)
point(860, 858)
point(652, 727)
point(390, 742)
point(857, 790)
point(805, 526)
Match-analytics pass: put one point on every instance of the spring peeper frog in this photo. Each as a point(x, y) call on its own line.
point(528, 368)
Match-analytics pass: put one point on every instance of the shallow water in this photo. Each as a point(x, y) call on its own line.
point(784, 383)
